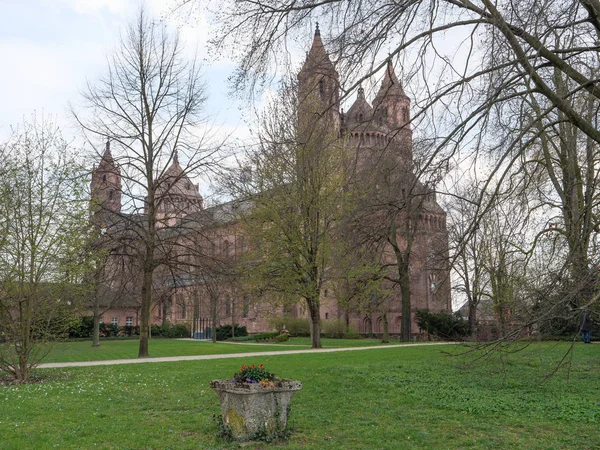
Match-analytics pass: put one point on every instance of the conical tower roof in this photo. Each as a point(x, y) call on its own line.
point(390, 86)
point(317, 59)
point(360, 111)
point(175, 181)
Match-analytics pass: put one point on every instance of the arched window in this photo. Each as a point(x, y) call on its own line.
point(405, 114)
point(110, 195)
point(104, 178)
point(226, 249)
point(322, 89)
point(360, 117)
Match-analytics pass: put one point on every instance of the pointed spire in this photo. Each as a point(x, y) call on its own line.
point(390, 86)
point(317, 58)
point(175, 157)
point(107, 156)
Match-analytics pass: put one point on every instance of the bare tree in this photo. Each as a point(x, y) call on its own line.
point(149, 105)
point(42, 259)
point(520, 85)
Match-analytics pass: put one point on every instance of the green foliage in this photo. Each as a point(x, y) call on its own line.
point(282, 337)
point(351, 334)
point(223, 430)
point(253, 374)
point(224, 332)
point(334, 328)
point(266, 336)
point(444, 402)
point(294, 325)
point(129, 330)
point(242, 338)
point(442, 324)
point(338, 329)
point(171, 331)
point(109, 330)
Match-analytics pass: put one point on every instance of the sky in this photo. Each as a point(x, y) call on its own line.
point(49, 48)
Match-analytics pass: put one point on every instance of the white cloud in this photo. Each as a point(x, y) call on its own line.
point(94, 6)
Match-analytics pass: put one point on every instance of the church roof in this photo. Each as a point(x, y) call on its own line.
point(390, 86)
point(360, 111)
point(176, 182)
point(317, 59)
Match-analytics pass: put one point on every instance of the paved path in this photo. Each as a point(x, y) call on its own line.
point(113, 362)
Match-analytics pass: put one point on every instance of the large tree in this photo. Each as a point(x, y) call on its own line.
point(43, 261)
point(518, 81)
point(149, 104)
point(293, 184)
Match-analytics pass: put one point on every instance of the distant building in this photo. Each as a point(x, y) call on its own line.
point(368, 130)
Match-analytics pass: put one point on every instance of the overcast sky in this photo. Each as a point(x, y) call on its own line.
point(49, 48)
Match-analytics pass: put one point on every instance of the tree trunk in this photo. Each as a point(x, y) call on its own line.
point(406, 317)
point(384, 321)
point(165, 311)
point(196, 314)
point(472, 317)
point(96, 332)
point(213, 314)
point(315, 329)
point(232, 317)
point(145, 314)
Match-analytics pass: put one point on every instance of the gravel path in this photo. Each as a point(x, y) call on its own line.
point(113, 362)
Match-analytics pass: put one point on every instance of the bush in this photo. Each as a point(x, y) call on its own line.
point(282, 337)
point(442, 324)
point(224, 332)
point(266, 336)
point(82, 327)
point(352, 333)
point(171, 331)
point(242, 338)
point(129, 330)
point(334, 328)
point(109, 329)
point(295, 326)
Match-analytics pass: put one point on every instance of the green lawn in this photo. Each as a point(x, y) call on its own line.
point(400, 398)
point(120, 349)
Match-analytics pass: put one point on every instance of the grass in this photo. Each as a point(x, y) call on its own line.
point(124, 349)
point(396, 398)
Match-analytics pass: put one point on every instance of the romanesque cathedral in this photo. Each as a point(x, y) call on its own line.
point(191, 233)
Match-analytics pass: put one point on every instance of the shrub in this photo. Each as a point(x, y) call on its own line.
point(266, 336)
point(224, 332)
point(130, 330)
point(334, 328)
point(242, 338)
point(442, 324)
point(82, 327)
point(282, 337)
point(109, 329)
point(171, 331)
point(352, 333)
point(294, 325)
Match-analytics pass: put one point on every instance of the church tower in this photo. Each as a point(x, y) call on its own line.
point(318, 93)
point(105, 188)
point(392, 109)
point(176, 195)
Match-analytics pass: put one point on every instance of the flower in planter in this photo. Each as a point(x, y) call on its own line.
point(255, 375)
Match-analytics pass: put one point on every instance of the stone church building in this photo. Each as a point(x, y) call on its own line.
point(199, 236)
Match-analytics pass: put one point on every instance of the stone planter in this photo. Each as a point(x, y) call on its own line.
point(253, 411)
